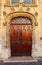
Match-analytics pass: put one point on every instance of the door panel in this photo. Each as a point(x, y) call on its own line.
point(27, 40)
point(21, 40)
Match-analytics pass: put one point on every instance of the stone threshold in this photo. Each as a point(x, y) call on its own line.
point(20, 59)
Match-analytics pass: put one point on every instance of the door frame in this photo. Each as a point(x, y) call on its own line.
point(16, 14)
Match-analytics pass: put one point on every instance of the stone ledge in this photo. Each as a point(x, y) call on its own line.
point(33, 5)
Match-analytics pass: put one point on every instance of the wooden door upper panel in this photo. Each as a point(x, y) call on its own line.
point(17, 29)
point(15, 32)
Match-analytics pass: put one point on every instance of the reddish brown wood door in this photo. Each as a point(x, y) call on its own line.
point(21, 40)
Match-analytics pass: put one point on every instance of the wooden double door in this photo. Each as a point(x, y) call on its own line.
point(21, 40)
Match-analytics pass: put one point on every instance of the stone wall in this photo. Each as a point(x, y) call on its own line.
point(36, 10)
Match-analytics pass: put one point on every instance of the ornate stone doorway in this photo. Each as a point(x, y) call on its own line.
point(21, 36)
point(15, 15)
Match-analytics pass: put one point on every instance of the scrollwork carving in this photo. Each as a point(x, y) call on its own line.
point(12, 9)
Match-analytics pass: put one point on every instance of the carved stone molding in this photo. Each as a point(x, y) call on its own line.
point(36, 13)
point(19, 6)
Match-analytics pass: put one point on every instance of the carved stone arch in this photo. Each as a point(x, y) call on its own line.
point(23, 14)
point(16, 14)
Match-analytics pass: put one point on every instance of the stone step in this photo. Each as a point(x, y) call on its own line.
point(20, 59)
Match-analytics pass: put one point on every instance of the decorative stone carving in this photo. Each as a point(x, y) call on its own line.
point(22, 6)
point(12, 8)
point(4, 23)
point(36, 23)
point(18, 7)
point(4, 13)
point(36, 13)
point(40, 38)
point(27, 9)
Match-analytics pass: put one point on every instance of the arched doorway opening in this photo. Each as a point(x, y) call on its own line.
point(15, 15)
point(21, 36)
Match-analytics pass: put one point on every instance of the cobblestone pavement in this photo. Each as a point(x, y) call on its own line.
point(23, 63)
